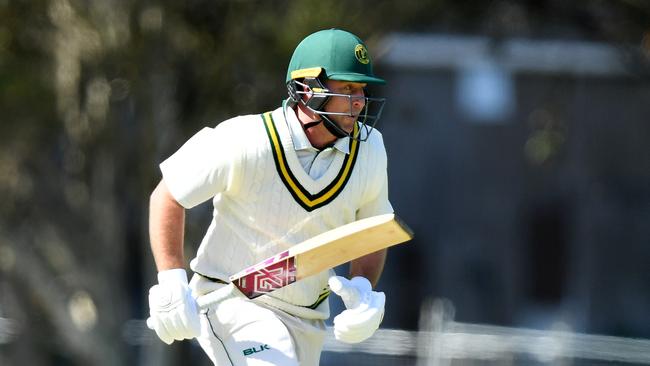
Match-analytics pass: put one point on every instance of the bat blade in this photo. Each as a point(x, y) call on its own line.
point(322, 252)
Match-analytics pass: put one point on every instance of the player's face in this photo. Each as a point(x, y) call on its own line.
point(350, 106)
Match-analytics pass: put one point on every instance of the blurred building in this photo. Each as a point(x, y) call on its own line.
point(524, 168)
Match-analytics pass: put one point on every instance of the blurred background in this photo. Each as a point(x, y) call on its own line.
point(518, 142)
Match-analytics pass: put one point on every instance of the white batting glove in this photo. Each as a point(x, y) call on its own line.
point(174, 314)
point(365, 309)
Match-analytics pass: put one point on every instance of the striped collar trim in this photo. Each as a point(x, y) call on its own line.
point(302, 196)
point(300, 140)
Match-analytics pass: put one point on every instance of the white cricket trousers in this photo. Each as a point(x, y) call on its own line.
point(236, 332)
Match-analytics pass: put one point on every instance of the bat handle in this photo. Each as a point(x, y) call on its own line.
point(346, 290)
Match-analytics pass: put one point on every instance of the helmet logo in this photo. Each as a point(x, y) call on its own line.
point(361, 53)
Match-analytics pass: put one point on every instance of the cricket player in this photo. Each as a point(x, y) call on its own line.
point(275, 179)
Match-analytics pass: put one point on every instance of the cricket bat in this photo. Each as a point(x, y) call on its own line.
point(322, 252)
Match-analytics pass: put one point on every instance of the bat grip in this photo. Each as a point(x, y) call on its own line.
point(348, 293)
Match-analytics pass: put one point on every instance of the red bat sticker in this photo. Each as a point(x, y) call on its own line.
point(272, 274)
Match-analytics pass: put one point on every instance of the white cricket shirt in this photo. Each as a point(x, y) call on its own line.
point(266, 201)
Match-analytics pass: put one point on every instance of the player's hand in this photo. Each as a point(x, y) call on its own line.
point(174, 314)
point(365, 309)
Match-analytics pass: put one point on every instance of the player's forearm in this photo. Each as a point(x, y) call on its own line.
point(370, 266)
point(166, 229)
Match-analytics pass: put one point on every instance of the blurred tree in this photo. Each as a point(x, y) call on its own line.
point(94, 94)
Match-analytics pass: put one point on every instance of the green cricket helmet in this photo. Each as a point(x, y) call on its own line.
point(333, 54)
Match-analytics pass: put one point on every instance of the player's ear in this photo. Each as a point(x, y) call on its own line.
point(305, 87)
point(297, 90)
point(316, 85)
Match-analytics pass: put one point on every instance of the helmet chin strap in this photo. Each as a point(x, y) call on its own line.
point(331, 126)
point(311, 124)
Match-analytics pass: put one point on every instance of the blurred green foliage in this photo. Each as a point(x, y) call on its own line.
point(93, 94)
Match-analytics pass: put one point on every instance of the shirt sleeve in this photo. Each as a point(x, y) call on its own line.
point(201, 168)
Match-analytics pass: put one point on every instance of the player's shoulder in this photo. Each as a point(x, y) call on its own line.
point(375, 141)
point(246, 132)
point(239, 128)
point(242, 122)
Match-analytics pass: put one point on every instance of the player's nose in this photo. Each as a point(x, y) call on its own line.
point(358, 100)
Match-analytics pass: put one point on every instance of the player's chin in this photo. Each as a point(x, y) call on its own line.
point(347, 123)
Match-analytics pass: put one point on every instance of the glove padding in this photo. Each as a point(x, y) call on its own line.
point(173, 311)
point(365, 309)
